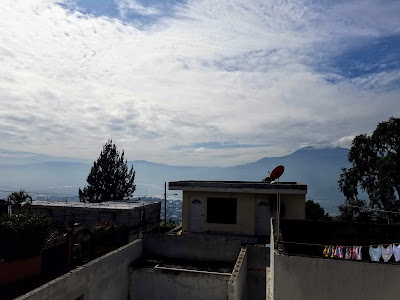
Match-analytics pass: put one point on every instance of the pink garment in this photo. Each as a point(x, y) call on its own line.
point(354, 254)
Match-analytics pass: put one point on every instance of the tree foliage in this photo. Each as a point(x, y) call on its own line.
point(17, 198)
point(353, 210)
point(314, 211)
point(109, 178)
point(23, 235)
point(375, 167)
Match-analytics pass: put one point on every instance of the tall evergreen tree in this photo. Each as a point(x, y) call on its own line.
point(109, 178)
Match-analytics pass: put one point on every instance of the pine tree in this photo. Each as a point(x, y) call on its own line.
point(109, 178)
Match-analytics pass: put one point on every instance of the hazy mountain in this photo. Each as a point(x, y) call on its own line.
point(318, 168)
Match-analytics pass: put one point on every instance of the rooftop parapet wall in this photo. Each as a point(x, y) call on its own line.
point(167, 283)
point(88, 214)
point(240, 187)
point(200, 248)
point(300, 278)
point(238, 281)
point(102, 279)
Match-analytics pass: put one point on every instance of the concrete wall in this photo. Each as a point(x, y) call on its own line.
point(156, 284)
point(245, 212)
point(237, 285)
point(102, 279)
point(246, 205)
point(271, 280)
point(200, 248)
point(299, 277)
point(258, 259)
point(88, 216)
point(294, 206)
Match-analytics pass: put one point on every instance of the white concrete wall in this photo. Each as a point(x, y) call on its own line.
point(200, 248)
point(298, 277)
point(238, 281)
point(102, 279)
point(257, 261)
point(271, 283)
point(154, 284)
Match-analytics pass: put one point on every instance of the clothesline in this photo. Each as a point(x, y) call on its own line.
point(321, 245)
point(374, 209)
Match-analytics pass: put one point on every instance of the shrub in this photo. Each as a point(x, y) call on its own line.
point(23, 235)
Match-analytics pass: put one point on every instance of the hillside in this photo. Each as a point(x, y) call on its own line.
point(318, 168)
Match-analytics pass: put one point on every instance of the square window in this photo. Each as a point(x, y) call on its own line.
point(221, 210)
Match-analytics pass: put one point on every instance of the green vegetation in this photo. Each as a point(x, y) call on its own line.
point(170, 225)
point(22, 235)
point(17, 198)
point(109, 178)
point(375, 170)
point(104, 233)
point(314, 211)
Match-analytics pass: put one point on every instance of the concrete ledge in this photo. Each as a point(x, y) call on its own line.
point(92, 280)
point(237, 282)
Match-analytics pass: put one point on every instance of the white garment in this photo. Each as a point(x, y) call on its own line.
point(396, 252)
point(375, 253)
point(358, 252)
point(387, 253)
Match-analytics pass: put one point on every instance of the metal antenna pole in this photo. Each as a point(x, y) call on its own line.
point(165, 205)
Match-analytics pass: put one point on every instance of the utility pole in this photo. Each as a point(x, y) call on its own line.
point(165, 205)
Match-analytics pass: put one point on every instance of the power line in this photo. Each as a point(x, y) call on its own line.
point(35, 159)
point(374, 209)
point(38, 193)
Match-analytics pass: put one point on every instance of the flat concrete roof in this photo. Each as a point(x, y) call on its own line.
point(102, 205)
point(257, 187)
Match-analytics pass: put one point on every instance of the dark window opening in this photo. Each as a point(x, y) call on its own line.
point(221, 210)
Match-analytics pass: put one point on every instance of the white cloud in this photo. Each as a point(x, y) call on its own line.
point(220, 71)
point(344, 141)
point(201, 149)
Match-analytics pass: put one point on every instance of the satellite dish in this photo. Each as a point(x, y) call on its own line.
point(277, 172)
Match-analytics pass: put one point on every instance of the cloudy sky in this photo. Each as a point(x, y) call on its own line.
point(195, 82)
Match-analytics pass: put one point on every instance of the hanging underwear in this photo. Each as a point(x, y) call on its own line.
point(349, 252)
point(357, 250)
point(326, 251)
point(334, 249)
point(396, 252)
point(340, 254)
point(375, 253)
point(354, 252)
point(387, 253)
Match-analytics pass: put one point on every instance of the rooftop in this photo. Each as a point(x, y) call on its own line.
point(123, 205)
point(240, 186)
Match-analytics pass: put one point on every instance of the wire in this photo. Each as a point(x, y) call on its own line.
point(39, 193)
point(374, 209)
point(321, 245)
point(35, 159)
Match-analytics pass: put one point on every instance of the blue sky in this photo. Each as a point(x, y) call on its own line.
point(195, 82)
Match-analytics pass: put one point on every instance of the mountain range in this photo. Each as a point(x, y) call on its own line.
point(318, 168)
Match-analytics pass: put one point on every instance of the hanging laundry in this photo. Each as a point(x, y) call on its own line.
point(396, 252)
point(349, 252)
point(375, 253)
point(387, 253)
point(354, 252)
point(334, 249)
point(357, 250)
point(326, 251)
point(340, 254)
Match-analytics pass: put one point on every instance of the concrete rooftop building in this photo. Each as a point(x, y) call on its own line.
point(131, 214)
point(240, 208)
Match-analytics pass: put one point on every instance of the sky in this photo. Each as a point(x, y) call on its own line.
point(195, 82)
